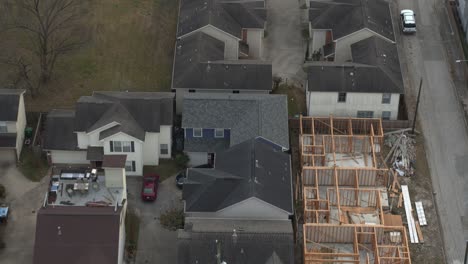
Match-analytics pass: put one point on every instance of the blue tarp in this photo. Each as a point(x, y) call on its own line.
point(3, 212)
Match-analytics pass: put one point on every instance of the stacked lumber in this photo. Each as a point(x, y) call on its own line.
point(402, 154)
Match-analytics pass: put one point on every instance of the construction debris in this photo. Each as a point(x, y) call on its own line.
point(402, 153)
point(409, 215)
point(420, 213)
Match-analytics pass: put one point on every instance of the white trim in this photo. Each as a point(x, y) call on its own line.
point(362, 29)
point(104, 127)
point(193, 132)
point(121, 133)
point(209, 25)
point(219, 129)
point(252, 198)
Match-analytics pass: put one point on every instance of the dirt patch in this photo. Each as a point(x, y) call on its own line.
point(130, 47)
point(296, 98)
point(420, 189)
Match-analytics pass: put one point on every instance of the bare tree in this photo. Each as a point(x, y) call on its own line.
point(53, 29)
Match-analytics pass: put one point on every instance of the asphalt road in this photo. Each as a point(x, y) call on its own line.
point(425, 55)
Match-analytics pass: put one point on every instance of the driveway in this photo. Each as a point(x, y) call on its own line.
point(155, 244)
point(25, 198)
point(284, 44)
point(425, 55)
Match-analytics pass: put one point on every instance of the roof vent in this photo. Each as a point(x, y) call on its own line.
point(351, 74)
point(59, 230)
point(208, 67)
point(256, 164)
point(244, 67)
point(234, 236)
point(226, 66)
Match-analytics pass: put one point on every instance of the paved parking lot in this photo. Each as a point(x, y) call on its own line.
point(25, 198)
point(155, 244)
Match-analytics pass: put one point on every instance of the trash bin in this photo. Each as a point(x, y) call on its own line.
point(28, 132)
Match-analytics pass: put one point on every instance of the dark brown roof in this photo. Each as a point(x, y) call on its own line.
point(95, 153)
point(77, 234)
point(114, 161)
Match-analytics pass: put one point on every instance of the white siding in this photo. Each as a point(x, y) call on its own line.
point(135, 156)
point(68, 157)
point(326, 103)
point(151, 149)
point(20, 126)
point(197, 158)
point(165, 137)
point(343, 45)
point(319, 38)
point(83, 140)
point(249, 209)
point(231, 43)
point(255, 42)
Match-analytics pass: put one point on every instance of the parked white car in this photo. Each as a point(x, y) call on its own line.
point(408, 21)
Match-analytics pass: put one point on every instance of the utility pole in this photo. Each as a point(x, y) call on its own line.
point(417, 106)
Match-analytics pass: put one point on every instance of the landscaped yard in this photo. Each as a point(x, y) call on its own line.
point(296, 99)
point(130, 47)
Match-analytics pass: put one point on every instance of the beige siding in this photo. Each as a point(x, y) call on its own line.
point(255, 42)
point(150, 149)
point(20, 126)
point(115, 177)
point(231, 43)
point(326, 103)
point(68, 157)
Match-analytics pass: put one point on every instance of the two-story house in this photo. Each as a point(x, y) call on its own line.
point(138, 124)
point(219, 48)
point(239, 207)
point(370, 86)
point(335, 25)
point(12, 124)
point(216, 121)
point(82, 219)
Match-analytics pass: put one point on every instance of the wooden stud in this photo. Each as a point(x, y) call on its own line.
point(419, 231)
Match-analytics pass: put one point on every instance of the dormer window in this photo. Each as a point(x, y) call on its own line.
point(219, 133)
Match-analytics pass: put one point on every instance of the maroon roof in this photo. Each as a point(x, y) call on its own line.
point(77, 234)
point(114, 161)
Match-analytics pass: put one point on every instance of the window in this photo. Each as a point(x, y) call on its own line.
point(164, 149)
point(386, 115)
point(191, 91)
point(122, 146)
point(3, 127)
point(365, 114)
point(130, 165)
point(197, 132)
point(235, 91)
point(219, 133)
point(341, 97)
point(386, 98)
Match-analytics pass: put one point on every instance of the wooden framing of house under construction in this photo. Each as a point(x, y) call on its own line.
point(327, 243)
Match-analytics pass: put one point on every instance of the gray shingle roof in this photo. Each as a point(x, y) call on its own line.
point(375, 69)
point(87, 235)
point(95, 153)
point(255, 168)
point(9, 104)
point(7, 140)
point(382, 54)
point(59, 129)
point(247, 248)
point(346, 17)
point(148, 110)
point(349, 77)
point(199, 63)
point(211, 145)
point(246, 115)
point(228, 16)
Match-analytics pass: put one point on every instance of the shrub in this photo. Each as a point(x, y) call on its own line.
point(172, 219)
point(181, 160)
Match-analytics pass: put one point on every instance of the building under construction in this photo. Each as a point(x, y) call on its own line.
point(344, 189)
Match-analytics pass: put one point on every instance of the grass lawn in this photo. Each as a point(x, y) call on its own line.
point(33, 166)
point(132, 229)
point(130, 47)
point(165, 169)
point(296, 99)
